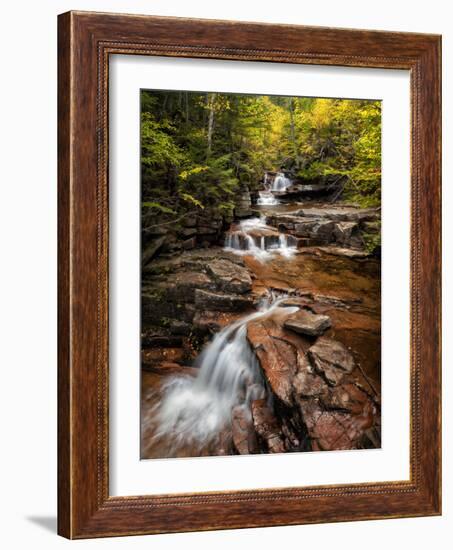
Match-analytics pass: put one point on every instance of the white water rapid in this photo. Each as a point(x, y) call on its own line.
point(193, 411)
point(281, 182)
point(266, 198)
point(254, 237)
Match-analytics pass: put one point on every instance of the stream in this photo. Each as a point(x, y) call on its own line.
point(190, 414)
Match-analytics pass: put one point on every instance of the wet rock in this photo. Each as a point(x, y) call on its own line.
point(181, 286)
point(166, 368)
point(346, 397)
point(221, 302)
point(224, 444)
point(154, 356)
point(214, 321)
point(306, 382)
point(337, 429)
point(278, 357)
point(345, 252)
point(341, 213)
point(191, 260)
point(331, 360)
point(301, 300)
point(315, 229)
point(267, 426)
point(348, 234)
point(306, 322)
point(283, 220)
point(230, 277)
point(244, 436)
point(334, 301)
point(305, 242)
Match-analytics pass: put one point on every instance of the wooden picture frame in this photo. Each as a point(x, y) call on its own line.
point(85, 41)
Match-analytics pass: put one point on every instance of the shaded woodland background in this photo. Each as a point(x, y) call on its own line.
point(200, 149)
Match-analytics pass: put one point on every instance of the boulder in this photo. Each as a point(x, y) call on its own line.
point(221, 301)
point(283, 220)
point(229, 276)
point(306, 322)
point(267, 426)
point(315, 229)
point(331, 360)
point(278, 357)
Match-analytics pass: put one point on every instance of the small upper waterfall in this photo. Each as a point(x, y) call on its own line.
point(281, 182)
point(194, 411)
point(254, 237)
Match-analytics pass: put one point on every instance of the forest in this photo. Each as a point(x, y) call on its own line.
point(198, 150)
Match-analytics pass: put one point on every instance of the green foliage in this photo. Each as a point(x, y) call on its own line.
point(157, 206)
point(199, 150)
point(372, 237)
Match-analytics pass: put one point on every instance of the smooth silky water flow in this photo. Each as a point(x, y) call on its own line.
point(246, 240)
point(281, 182)
point(266, 198)
point(194, 411)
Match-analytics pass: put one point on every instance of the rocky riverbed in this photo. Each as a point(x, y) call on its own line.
point(265, 337)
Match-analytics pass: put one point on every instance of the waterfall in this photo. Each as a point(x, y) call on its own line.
point(266, 198)
point(281, 182)
point(195, 411)
point(247, 240)
point(285, 248)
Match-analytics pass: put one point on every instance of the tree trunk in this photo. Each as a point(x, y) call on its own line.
point(293, 133)
point(210, 101)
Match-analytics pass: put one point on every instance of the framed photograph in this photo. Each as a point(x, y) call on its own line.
point(249, 275)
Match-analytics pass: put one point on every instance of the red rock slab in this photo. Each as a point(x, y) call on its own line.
point(267, 427)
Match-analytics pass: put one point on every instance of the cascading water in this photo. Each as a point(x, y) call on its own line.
point(281, 182)
point(266, 198)
point(194, 411)
point(252, 238)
